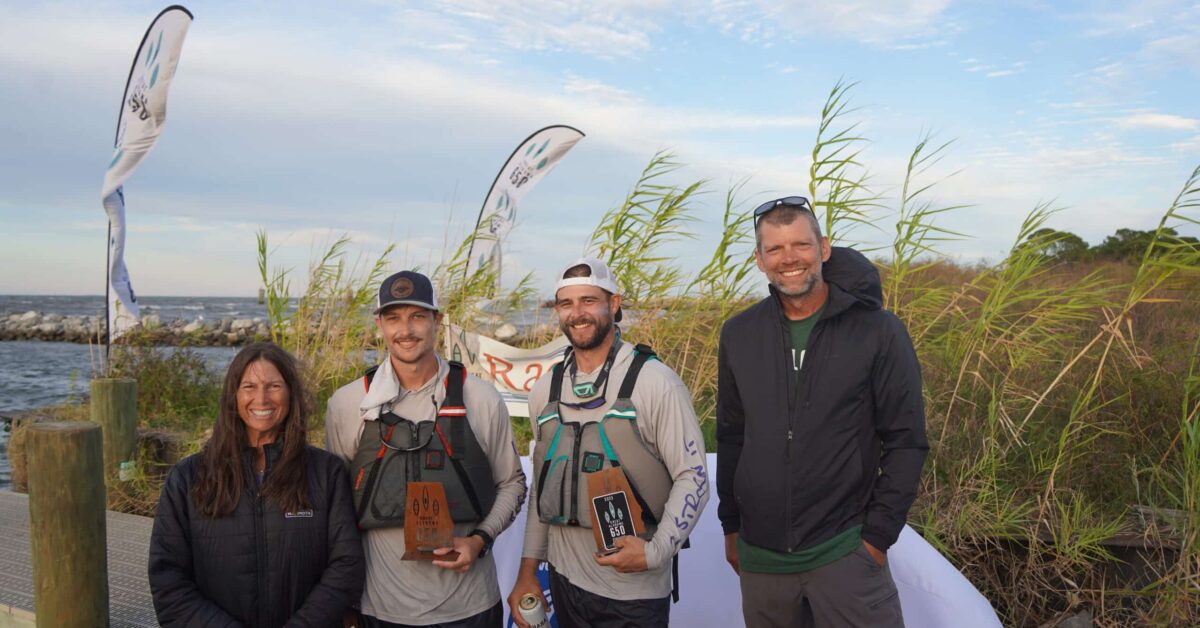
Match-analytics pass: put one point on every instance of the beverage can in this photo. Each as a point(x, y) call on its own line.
point(532, 611)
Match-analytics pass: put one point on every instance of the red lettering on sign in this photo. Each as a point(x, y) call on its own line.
point(494, 364)
point(529, 382)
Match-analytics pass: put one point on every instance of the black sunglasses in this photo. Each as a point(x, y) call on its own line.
point(798, 202)
point(403, 440)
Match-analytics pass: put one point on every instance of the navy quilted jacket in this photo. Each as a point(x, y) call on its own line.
point(257, 567)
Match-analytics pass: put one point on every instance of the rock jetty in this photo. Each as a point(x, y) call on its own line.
point(223, 332)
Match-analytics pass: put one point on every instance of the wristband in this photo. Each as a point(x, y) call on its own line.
point(487, 541)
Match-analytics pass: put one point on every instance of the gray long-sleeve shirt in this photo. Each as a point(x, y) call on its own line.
point(667, 423)
point(416, 592)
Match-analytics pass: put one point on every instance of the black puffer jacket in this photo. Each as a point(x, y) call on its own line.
point(799, 462)
point(258, 566)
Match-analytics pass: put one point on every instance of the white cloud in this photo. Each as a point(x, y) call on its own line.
point(1165, 34)
point(1164, 121)
point(597, 91)
point(918, 46)
point(1178, 50)
point(320, 238)
point(1190, 145)
point(608, 29)
point(178, 224)
point(991, 70)
point(626, 28)
point(900, 23)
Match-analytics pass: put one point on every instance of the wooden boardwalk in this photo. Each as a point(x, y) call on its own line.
point(129, 603)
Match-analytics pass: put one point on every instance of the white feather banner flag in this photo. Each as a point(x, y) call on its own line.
point(533, 159)
point(140, 122)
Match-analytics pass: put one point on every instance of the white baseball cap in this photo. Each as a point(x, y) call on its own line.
point(598, 275)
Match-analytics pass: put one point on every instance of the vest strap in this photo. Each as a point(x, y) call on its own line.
point(675, 578)
point(368, 376)
point(641, 355)
point(556, 382)
point(455, 410)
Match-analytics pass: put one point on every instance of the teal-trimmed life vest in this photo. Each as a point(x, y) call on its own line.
point(394, 451)
point(569, 449)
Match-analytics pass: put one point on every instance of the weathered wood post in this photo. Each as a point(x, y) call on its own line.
point(114, 408)
point(66, 524)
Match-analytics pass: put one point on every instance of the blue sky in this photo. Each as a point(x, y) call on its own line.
point(388, 121)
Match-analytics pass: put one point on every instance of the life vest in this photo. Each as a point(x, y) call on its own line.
point(394, 451)
point(570, 449)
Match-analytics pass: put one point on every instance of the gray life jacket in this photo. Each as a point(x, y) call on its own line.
point(570, 449)
point(394, 451)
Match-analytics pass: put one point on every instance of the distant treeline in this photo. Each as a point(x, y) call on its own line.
point(1125, 245)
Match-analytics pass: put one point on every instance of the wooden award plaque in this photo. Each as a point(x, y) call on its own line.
point(614, 511)
point(427, 524)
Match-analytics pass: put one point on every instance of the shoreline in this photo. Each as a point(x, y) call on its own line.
point(84, 329)
point(202, 332)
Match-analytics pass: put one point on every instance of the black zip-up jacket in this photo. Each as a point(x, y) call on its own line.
point(800, 462)
point(257, 566)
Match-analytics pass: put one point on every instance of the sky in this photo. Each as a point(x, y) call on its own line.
point(387, 121)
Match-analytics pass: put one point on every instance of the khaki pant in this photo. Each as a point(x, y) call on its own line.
point(852, 591)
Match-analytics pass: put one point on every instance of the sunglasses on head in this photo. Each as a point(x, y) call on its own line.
point(798, 202)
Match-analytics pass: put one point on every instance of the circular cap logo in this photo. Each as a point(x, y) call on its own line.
point(402, 288)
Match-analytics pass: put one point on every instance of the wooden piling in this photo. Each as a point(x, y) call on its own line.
point(114, 408)
point(67, 525)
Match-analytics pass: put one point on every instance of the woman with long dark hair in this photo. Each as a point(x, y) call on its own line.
point(258, 529)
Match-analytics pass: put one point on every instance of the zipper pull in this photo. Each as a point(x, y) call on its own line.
point(789, 435)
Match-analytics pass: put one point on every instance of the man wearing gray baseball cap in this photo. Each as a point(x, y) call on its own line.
point(417, 417)
point(608, 405)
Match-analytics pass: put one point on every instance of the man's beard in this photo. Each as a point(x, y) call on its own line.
point(601, 327)
point(804, 288)
point(807, 287)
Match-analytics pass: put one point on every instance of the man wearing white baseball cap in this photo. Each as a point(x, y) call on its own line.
point(416, 417)
point(608, 404)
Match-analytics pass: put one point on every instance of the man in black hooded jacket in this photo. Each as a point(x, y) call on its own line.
point(820, 432)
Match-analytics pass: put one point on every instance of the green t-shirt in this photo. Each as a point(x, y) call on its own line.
point(754, 559)
point(800, 331)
